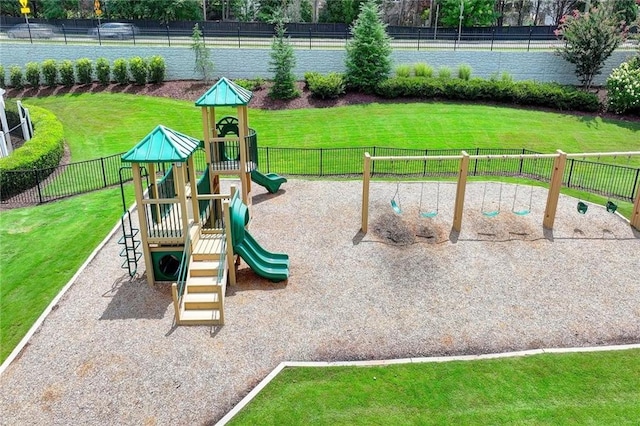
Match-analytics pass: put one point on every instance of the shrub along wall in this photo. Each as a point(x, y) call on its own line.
point(550, 95)
point(43, 151)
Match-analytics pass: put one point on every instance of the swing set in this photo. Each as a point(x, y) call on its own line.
point(553, 194)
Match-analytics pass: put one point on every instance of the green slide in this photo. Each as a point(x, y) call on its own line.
point(271, 181)
point(273, 266)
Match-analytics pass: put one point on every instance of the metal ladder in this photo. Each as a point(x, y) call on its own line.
point(130, 244)
point(128, 240)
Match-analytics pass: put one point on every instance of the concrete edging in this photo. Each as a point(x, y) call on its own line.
point(421, 360)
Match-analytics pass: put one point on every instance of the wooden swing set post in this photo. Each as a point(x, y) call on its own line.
point(460, 192)
point(554, 190)
point(366, 178)
point(635, 214)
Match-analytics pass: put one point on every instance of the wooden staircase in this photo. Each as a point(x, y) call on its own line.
point(203, 298)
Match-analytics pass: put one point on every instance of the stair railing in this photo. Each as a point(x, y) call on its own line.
point(177, 288)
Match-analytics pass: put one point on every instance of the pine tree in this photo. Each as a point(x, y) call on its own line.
point(282, 63)
point(368, 60)
point(203, 65)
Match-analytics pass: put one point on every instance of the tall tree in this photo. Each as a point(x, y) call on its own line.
point(160, 10)
point(340, 11)
point(627, 10)
point(282, 63)
point(475, 13)
point(590, 39)
point(203, 63)
point(272, 10)
point(368, 60)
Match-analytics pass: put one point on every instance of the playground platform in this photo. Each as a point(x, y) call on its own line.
point(110, 353)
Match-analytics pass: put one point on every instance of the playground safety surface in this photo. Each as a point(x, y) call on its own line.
point(110, 354)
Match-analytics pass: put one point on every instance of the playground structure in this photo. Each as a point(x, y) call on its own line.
point(191, 234)
point(555, 184)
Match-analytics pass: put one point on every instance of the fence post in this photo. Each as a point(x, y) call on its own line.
point(321, 161)
point(35, 173)
point(475, 165)
point(309, 38)
point(570, 172)
point(424, 166)
point(493, 36)
point(418, 39)
point(64, 33)
point(268, 165)
point(521, 161)
point(238, 36)
point(104, 173)
point(635, 184)
point(168, 36)
point(530, 32)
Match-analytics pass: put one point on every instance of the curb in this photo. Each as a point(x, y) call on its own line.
point(255, 391)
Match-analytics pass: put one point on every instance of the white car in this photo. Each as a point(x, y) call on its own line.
point(36, 31)
point(117, 30)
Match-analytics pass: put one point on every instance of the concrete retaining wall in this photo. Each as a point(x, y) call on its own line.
point(248, 63)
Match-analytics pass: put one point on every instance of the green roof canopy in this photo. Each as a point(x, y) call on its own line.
point(162, 145)
point(225, 93)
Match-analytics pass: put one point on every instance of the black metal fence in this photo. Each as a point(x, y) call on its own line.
point(611, 180)
point(303, 35)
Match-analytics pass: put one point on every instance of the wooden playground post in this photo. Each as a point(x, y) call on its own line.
point(179, 173)
point(554, 190)
point(227, 224)
point(142, 218)
point(193, 184)
point(635, 214)
point(366, 178)
point(460, 192)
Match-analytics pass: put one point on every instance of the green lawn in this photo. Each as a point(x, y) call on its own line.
point(418, 125)
point(580, 388)
point(41, 249)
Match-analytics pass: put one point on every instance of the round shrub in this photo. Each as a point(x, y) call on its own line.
point(403, 70)
point(84, 71)
point(623, 87)
point(43, 151)
point(444, 73)
point(157, 69)
point(103, 71)
point(32, 74)
point(67, 76)
point(330, 86)
point(120, 72)
point(50, 72)
point(15, 76)
point(138, 69)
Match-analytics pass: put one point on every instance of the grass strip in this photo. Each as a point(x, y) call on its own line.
point(577, 388)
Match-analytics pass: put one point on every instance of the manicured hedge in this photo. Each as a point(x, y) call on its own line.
point(43, 151)
point(531, 93)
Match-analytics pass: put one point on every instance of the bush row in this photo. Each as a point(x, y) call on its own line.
point(549, 95)
point(84, 71)
point(43, 151)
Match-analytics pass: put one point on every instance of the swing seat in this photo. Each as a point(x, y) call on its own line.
point(611, 207)
point(491, 213)
point(521, 212)
point(428, 214)
point(582, 207)
point(396, 208)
